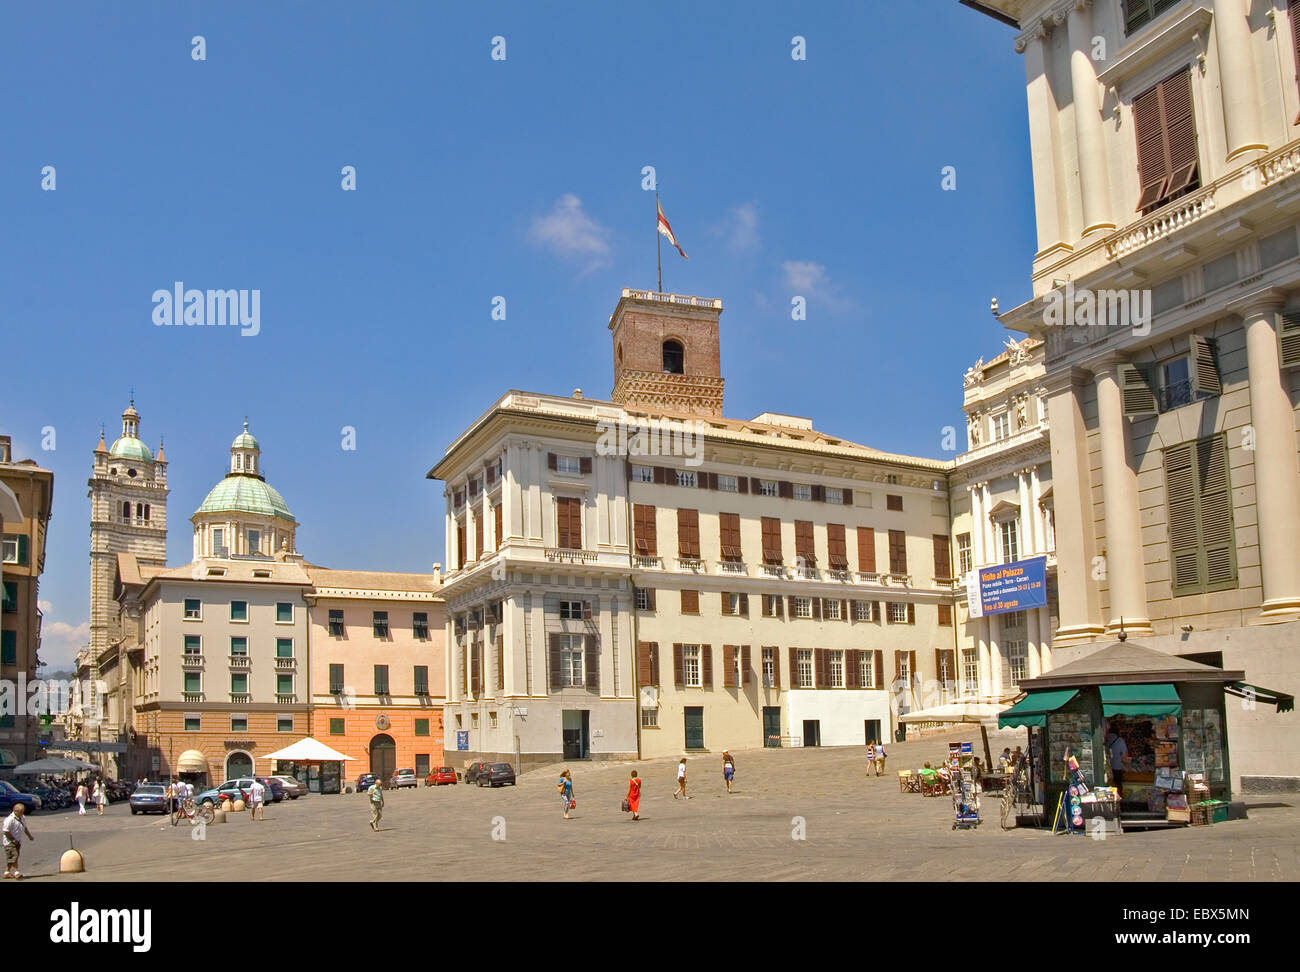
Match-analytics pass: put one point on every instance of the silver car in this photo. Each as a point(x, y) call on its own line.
point(292, 787)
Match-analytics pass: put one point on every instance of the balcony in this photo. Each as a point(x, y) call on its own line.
point(732, 567)
point(647, 562)
point(774, 570)
point(242, 698)
point(690, 563)
point(286, 663)
point(902, 580)
point(570, 555)
point(808, 573)
point(868, 577)
point(1175, 395)
point(191, 659)
point(841, 574)
point(240, 661)
point(1163, 222)
point(285, 698)
point(191, 696)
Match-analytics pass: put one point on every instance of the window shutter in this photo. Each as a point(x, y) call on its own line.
point(945, 615)
point(1215, 503)
point(850, 669)
point(1153, 170)
point(463, 652)
point(780, 606)
point(23, 551)
point(647, 539)
point(790, 606)
point(1166, 140)
point(584, 464)
point(654, 663)
point(550, 461)
point(776, 666)
point(866, 550)
point(690, 602)
point(644, 669)
point(755, 486)
point(1180, 486)
point(819, 665)
point(659, 475)
point(650, 598)
point(848, 497)
point(729, 666)
point(677, 666)
point(942, 560)
point(688, 533)
point(742, 484)
point(1137, 393)
point(1293, 11)
point(897, 551)
point(478, 536)
point(501, 662)
point(591, 659)
point(819, 493)
point(817, 608)
point(911, 666)
point(911, 613)
point(1288, 327)
point(876, 613)
point(794, 668)
point(771, 540)
point(746, 672)
point(844, 610)
point(496, 524)
point(1205, 367)
point(803, 542)
point(785, 489)
point(836, 550)
point(744, 605)
point(555, 662)
point(586, 610)
point(706, 666)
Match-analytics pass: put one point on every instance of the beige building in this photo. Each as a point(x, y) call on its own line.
point(1167, 290)
point(644, 576)
point(26, 498)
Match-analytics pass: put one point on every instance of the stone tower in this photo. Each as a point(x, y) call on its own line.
point(666, 354)
point(128, 514)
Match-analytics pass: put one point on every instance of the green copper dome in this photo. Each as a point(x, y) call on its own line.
point(245, 494)
point(129, 447)
point(245, 440)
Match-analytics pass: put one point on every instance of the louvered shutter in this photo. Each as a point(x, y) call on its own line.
point(911, 667)
point(746, 671)
point(771, 540)
point(706, 665)
point(660, 477)
point(850, 669)
point(803, 542)
point(776, 667)
point(878, 663)
point(911, 613)
point(848, 497)
point(688, 533)
point(650, 598)
point(478, 536)
point(586, 610)
point(866, 550)
point(551, 461)
point(677, 666)
point(496, 525)
point(654, 664)
point(729, 666)
point(942, 560)
point(755, 486)
point(556, 668)
point(584, 464)
point(501, 662)
point(794, 668)
point(1215, 503)
point(876, 613)
point(818, 493)
point(1293, 11)
point(744, 605)
point(836, 550)
point(1288, 336)
point(1180, 486)
point(1153, 167)
point(591, 658)
point(844, 610)
point(1136, 390)
point(780, 606)
point(644, 670)
point(1180, 129)
point(785, 489)
point(1166, 140)
point(742, 484)
point(897, 552)
point(1205, 367)
point(817, 608)
point(820, 666)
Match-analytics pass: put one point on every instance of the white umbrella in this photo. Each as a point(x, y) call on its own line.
point(49, 764)
point(307, 750)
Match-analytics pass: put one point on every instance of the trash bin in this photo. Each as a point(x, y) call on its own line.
point(901, 734)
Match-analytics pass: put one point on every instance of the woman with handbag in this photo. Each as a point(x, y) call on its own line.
point(632, 802)
point(565, 786)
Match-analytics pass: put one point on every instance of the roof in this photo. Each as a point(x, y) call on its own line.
point(244, 440)
point(129, 447)
point(1127, 662)
point(245, 493)
point(373, 580)
point(237, 571)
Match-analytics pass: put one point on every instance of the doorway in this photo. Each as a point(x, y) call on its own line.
point(383, 757)
point(421, 765)
point(238, 764)
point(772, 726)
point(577, 733)
point(873, 731)
point(694, 719)
point(812, 732)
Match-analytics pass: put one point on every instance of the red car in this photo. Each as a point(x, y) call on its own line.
point(443, 774)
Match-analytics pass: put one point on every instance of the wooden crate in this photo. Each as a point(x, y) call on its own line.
point(1178, 816)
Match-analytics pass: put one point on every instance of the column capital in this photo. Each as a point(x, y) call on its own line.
point(1038, 32)
point(1063, 380)
point(1268, 301)
point(1107, 366)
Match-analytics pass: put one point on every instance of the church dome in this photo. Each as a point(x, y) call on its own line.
point(129, 447)
point(245, 494)
point(245, 440)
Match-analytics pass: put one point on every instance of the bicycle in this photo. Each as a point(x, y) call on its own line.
point(193, 812)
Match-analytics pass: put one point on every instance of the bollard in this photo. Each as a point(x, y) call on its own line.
point(219, 816)
point(71, 862)
point(237, 806)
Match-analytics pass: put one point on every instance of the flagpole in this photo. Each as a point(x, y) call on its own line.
point(659, 262)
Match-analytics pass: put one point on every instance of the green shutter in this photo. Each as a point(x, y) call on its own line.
point(9, 647)
point(1135, 387)
point(1202, 547)
point(421, 727)
point(336, 727)
point(1288, 339)
point(22, 550)
point(1204, 367)
point(10, 605)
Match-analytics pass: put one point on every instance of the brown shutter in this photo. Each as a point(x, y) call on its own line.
point(755, 486)
point(586, 610)
point(850, 669)
point(803, 542)
point(476, 670)
point(771, 540)
point(848, 497)
point(688, 533)
point(729, 670)
point(945, 615)
point(584, 464)
point(878, 662)
point(790, 606)
point(460, 545)
point(478, 536)
point(819, 667)
point(744, 605)
point(647, 537)
point(677, 665)
point(844, 610)
point(780, 606)
point(650, 601)
point(550, 461)
point(835, 546)
point(669, 475)
point(876, 613)
point(501, 662)
point(866, 550)
point(1166, 140)
point(555, 662)
point(496, 524)
point(659, 475)
point(794, 668)
point(1205, 367)
point(942, 560)
point(817, 608)
point(1293, 11)
point(818, 493)
point(897, 552)
point(591, 653)
point(644, 665)
point(911, 666)
point(911, 613)
point(785, 489)
point(746, 672)
point(690, 602)
point(654, 663)
point(706, 666)
point(742, 484)
point(776, 667)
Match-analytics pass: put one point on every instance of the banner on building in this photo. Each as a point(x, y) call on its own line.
point(1017, 586)
point(462, 740)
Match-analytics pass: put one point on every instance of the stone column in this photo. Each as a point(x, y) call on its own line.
point(1028, 544)
point(995, 656)
point(1036, 511)
point(985, 687)
point(1125, 570)
point(1237, 79)
point(977, 520)
point(1031, 642)
point(1277, 479)
point(986, 526)
point(1094, 188)
point(1052, 225)
point(1072, 489)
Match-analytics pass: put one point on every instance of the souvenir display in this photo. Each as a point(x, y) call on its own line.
point(1072, 731)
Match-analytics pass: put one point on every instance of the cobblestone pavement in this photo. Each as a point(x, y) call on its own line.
point(854, 828)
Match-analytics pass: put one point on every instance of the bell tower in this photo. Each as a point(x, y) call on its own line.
point(666, 353)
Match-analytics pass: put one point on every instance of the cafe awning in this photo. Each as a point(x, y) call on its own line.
point(1279, 700)
point(967, 711)
point(192, 761)
point(1148, 699)
point(1032, 710)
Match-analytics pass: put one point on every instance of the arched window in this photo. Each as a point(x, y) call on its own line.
point(620, 356)
point(146, 512)
point(674, 358)
point(126, 511)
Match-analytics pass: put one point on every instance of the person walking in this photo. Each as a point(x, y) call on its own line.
point(634, 795)
point(565, 786)
point(681, 781)
point(880, 759)
point(728, 769)
point(871, 759)
point(100, 796)
point(256, 800)
point(13, 829)
point(376, 792)
point(82, 797)
point(173, 801)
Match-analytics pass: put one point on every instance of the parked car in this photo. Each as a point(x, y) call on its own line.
point(472, 774)
point(365, 781)
point(274, 788)
point(403, 778)
point(149, 798)
point(9, 795)
point(292, 787)
point(232, 790)
point(441, 775)
point(498, 774)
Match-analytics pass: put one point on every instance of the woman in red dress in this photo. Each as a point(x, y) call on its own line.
point(634, 795)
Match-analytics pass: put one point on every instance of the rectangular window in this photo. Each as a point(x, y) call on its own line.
point(421, 679)
point(239, 723)
point(831, 609)
point(727, 484)
point(643, 474)
point(568, 465)
point(769, 668)
point(571, 660)
point(835, 668)
point(238, 610)
point(729, 537)
point(835, 495)
point(1137, 13)
point(1001, 426)
point(685, 478)
point(10, 604)
point(194, 645)
point(283, 613)
point(193, 683)
point(1203, 554)
point(238, 647)
point(421, 727)
point(771, 605)
point(802, 491)
point(804, 669)
point(1009, 534)
point(690, 602)
point(381, 679)
point(965, 558)
point(9, 550)
point(239, 683)
point(644, 599)
point(803, 607)
point(649, 718)
point(897, 552)
point(568, 515)
point(897, 613)
point(336, 727)
point(1165, 127)
point(771, 526)
point(571, 610)
point(193, 609)
point(336, 679)
point(768, 487)
point(862, 611)
point(1018, 656)
point(420, 625)
point(893, 502)
point(192, 723)
point(691, 666)
point(379, 623)
point(867, 669)
point(254, 541)
point(970, 669)
point(283, 647)
point(284, 723)
point(688, 534)
point(284, 685)
point(645, 530)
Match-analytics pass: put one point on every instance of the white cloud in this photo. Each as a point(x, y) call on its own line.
point(808, 278)
point(570, 232)
point(61, 641)
point(740, 228)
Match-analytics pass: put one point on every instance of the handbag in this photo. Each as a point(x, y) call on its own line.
point(573, 804)
point(627, 806)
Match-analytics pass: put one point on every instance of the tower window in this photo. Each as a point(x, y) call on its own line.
point(126, 512)
point(674, 358)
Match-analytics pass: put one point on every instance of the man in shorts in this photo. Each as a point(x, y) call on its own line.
point(256, 800)
point(14, 829)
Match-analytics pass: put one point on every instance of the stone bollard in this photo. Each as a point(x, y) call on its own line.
point(71, 862)
point(225, 805)
point(238, 806)
point(219, 816)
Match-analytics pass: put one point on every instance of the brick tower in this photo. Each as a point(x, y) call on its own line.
point(666, 353)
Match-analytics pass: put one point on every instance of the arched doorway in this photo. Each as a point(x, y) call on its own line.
point(238, 764)
point(383, 757)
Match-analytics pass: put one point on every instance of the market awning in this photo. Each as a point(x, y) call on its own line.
point(1151, 699)
point(1280, 700)
point(192, 761)
point(969, 711)
point(307, 750)
point(1033, 708)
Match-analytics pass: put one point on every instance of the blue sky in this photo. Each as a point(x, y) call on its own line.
point(478, 178)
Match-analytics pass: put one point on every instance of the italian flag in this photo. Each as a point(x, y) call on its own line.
point(667, 230)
